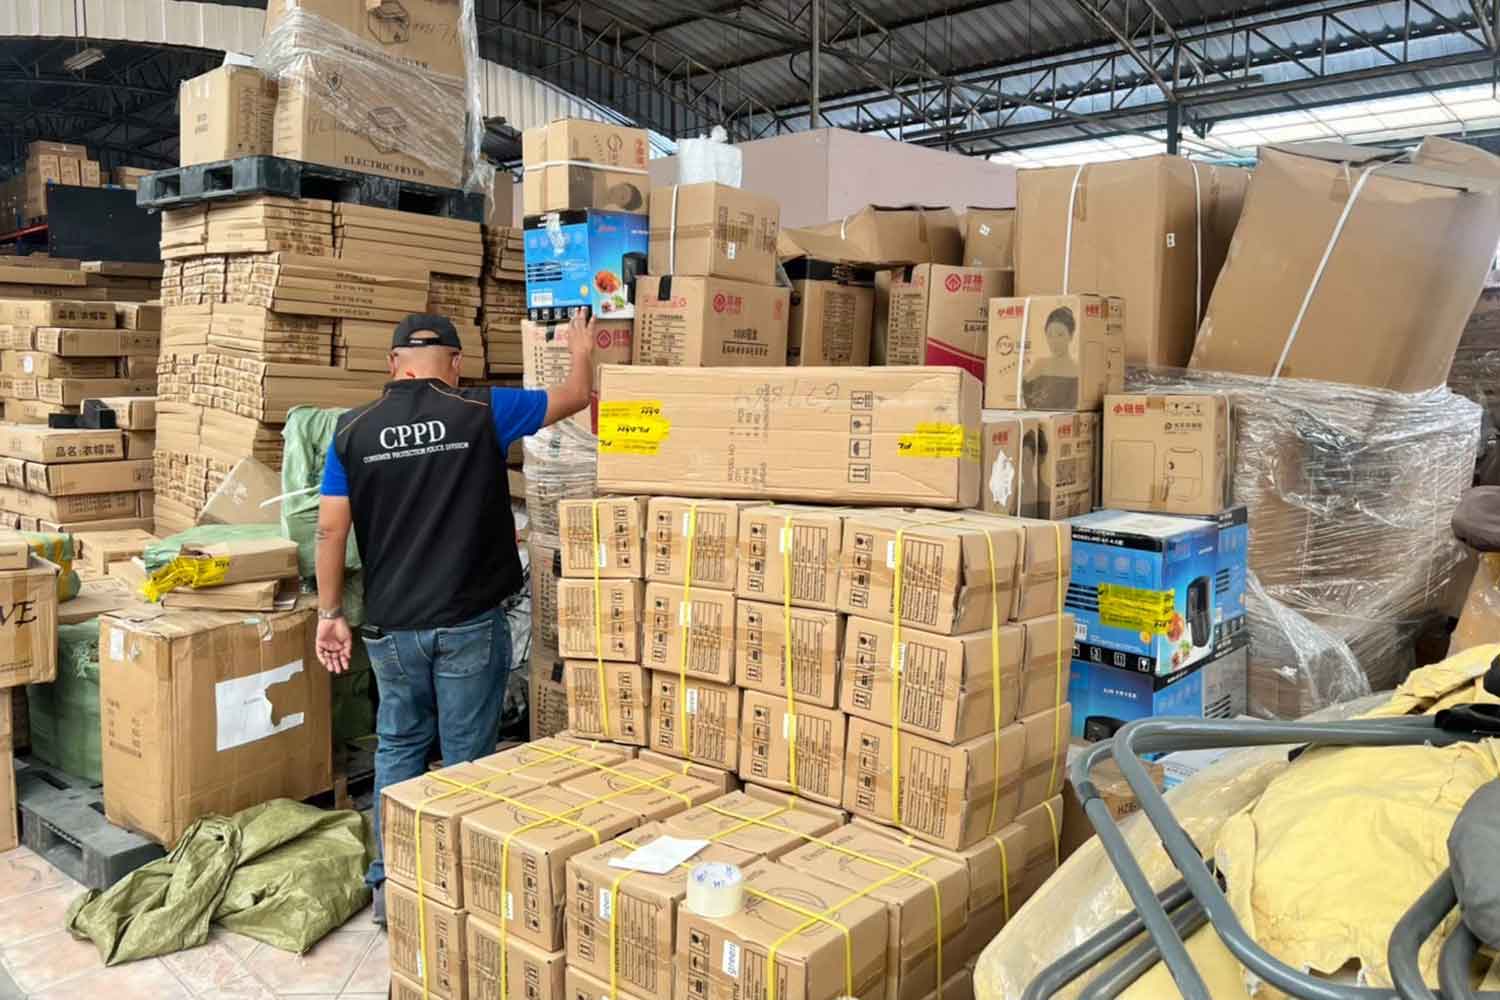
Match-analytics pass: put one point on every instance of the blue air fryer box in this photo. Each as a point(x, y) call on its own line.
point(1155, 593)
point(1104, 698)
point(583, 257)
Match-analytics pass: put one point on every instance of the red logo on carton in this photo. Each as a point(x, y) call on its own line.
point(720, 301)
point(953, 283)
point(728, 303)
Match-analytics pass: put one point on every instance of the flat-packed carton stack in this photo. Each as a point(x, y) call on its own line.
point(710, 298)
point(504, 288)
point(23, 198)
point(55, 353)
point(124, 281)
point(28, 653)
point(583, 242)
point(66, 480)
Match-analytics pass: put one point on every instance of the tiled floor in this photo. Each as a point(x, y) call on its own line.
point(39, 960)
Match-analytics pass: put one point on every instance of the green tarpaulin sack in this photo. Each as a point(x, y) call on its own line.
point(282, 872)
point(65, 714)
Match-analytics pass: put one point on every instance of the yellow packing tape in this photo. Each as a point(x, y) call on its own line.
point(599, 626)
point(786, 653)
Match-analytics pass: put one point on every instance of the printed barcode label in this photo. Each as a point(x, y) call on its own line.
point(783, 539)
point(692, 701)
point(510, 905)
point(1080, 630)
point(603, 556)
point(606, 904)
point(684, 614)
point(729, 252)
point(731, 960)
point(890, 554)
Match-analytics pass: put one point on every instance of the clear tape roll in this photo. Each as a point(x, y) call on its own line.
point(715, 889)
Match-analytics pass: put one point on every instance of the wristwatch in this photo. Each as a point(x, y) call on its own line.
point(330, 615)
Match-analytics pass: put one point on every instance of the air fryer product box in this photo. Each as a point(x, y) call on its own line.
point(1104, 698)
point(583, 257)
point(1167, 454)
point(1155, 594)
point(1053, 352)
point(832, 313)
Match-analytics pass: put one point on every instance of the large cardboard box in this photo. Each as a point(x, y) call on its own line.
point(47, 444)
point(955, 796)
point(1067, 459)
point(630, 917)
point(584, 257)
point(1168, 454)
point(951, 576)
point(421, 34)
point(209, 712)
point(926, 898)
point(713, 526)
point(575, 163)
point(728, 956)
point(640, 792)
point(616, 620)
point(619, 713)
point(604, 536)
point(990, 237)
point(795, 434)
point(527, 972)
point(88, 477)
point(938, 316)
point(817, 643)
point(725, 781)
point(1054, 352)
point(767, 739)
point(358, 117)
point(1153, 231)
point(68, 313)
point(832, 317)
point(515, 853)
point(442, 804)
point(1325, 303)
point(697, 721)
point(758, 821)
point(1105, 697)
point(547, 362)
point(693, 635)
point(781, 541)
point(1479, 621)
point(714, 229)
point(709, 322)
point(582, 986)
point(133, 413)
point(546, 571)
point(431, 942)
point(28, 624)
point(551, 761)
point(882, 236)
point(226, 113)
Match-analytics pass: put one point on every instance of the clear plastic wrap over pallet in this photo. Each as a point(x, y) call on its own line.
point(1350, 493)
point(390, 89)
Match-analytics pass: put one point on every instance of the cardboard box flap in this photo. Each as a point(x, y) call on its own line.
point(1418, 171)
point(883, 236)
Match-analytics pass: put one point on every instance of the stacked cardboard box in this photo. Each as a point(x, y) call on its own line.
point(54, 353)
point(28, 653)
point(70, 480)
point(23, 198)
point(585, 193)
point(710, 298)
point(504, 291)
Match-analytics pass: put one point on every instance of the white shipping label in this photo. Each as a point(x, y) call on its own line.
point(1171, 240)
point(730, 249)
point(984, 229)
point(783, 539)
point(692, 701)
point(510, 905)
point(603, 556)
point(606, 904)
point(731, 960)
point(1080, 630)
point(890, 554)
point(244, 711)
point(116, 644)
point(28, 364)
point(684, 614)
point(661, 856)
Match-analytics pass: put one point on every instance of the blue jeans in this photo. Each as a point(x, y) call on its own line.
point(446, 684)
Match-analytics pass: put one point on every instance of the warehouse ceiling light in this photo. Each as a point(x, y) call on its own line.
point(83, 59)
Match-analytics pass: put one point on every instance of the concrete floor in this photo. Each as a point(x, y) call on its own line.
point(39, 960)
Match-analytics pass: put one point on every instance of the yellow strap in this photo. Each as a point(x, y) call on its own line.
point(1061, 689)
point(996, 691)
point(685, 744)
point(786, 654)
point(599, 628)
point(1056, 834)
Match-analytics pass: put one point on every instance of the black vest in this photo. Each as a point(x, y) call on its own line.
point(431, 505)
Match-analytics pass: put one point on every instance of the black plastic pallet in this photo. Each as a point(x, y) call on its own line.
point(62, 819)
point(180, 187)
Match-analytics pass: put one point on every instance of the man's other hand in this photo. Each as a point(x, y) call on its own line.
point(581, 333)
point(335, 644)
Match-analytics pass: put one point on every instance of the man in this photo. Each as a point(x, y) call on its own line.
point(420, 475)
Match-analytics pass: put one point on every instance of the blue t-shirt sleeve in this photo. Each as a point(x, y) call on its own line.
point(335, 480)
point(517, 413)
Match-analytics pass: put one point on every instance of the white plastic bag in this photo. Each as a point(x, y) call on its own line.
point(709, 159)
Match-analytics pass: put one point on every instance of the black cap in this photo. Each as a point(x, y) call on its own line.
point(426, 330)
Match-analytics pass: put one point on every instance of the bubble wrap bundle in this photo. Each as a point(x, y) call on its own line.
point(405, 76)
point(1350, 492)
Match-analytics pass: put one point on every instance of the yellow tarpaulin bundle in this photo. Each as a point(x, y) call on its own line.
point(1320, 864)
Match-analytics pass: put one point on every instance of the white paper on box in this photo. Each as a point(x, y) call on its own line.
point(731, 960)
point(244, 710)
point(659, 857)
point(116, 644)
